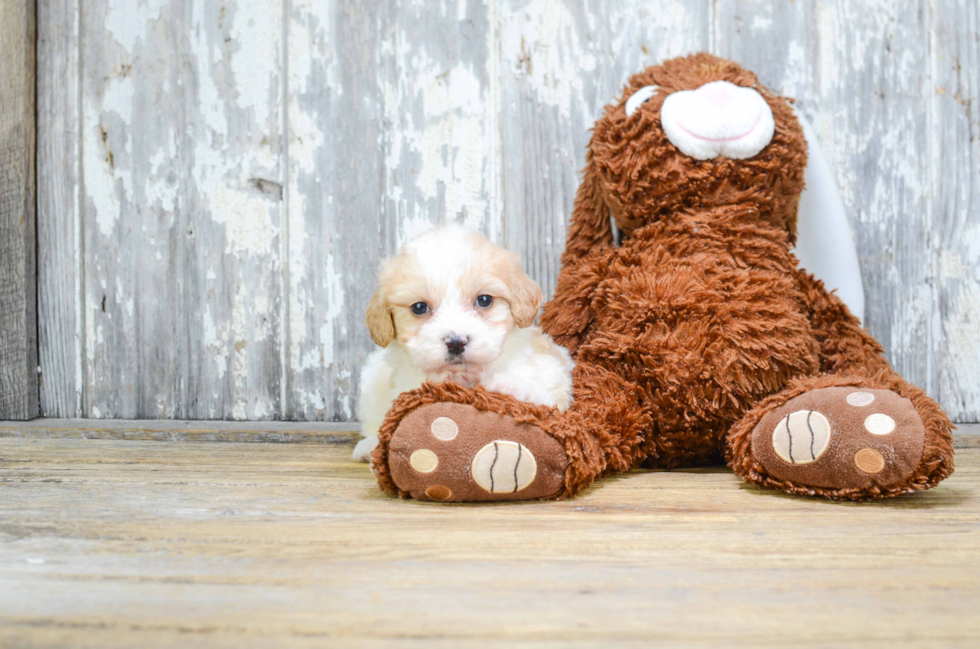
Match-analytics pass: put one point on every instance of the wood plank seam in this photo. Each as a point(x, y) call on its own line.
point(966, 435)
point(19, 388)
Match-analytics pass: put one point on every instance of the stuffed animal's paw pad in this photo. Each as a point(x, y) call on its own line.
point(503, 466)
point(801, 437)
point(444, 428)
point(841, 437)
point(454, 452)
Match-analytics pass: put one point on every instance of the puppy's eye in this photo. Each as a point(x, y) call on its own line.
point(483, 301)
point(639, 98)
point(420, 308)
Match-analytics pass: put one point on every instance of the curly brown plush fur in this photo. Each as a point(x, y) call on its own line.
point(700, 322)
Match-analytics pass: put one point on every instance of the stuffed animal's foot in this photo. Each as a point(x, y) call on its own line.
point(844, 438)
point(455, 452)
point(841, 438)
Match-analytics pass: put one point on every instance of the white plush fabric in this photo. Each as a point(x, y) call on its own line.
point(719, 118)
point(825, 244)
point(639, 97)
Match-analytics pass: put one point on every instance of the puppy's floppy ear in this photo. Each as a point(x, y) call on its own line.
point(524, 294)
point(590, 226)
point(379, 321)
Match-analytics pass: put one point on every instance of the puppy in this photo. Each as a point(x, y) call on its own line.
point(451, 306)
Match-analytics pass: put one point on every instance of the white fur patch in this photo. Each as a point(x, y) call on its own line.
point(718, 119)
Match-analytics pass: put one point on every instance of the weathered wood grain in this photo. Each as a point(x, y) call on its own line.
point(59, 252)
point(779, 41)
point(259, 159)
point(334, 201)
point(438, 134)
point(18, 272)
point(955, 191)
point(560, 64)
point(143, 544)
point(873, 86)
point(391, 128)
point(182, 192)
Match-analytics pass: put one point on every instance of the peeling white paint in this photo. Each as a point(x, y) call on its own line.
point(93, 331)
point(102, 175)
point(442, 139)
point(315, 290)
point(255, 32)
point(529, 42)
point(827, 28)
point(161, 187)
point(128, 20)
point(311, 40)
point(312, 400)
point(306, 138)
point(796, 82)
point(214, 342)
point(248, 221)
point(961, 329)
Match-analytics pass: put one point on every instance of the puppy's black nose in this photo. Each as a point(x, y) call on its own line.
point(455, 344)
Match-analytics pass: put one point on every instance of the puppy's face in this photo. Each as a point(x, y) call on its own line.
point(451, 297)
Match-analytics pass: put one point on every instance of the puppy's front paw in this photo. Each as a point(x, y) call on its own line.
point(364, 448)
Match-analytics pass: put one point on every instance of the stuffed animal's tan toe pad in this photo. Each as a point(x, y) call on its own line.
point(841, 438)
point(454, 452)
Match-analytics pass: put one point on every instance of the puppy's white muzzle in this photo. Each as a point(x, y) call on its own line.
point(719, 118)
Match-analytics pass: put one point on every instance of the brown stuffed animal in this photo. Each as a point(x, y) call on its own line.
point(697, 339)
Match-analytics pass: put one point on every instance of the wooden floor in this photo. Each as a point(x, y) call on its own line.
point(109, 542)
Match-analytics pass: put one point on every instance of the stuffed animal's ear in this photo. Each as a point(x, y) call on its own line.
point(824, 242)
point(523, 294)
point(378, 319)
point(590, 227)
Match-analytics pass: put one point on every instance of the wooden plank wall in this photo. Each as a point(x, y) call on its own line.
point(18, 287)
point(219, 180)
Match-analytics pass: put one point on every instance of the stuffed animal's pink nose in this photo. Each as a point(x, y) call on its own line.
point(719, 118)
point(718, 93)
